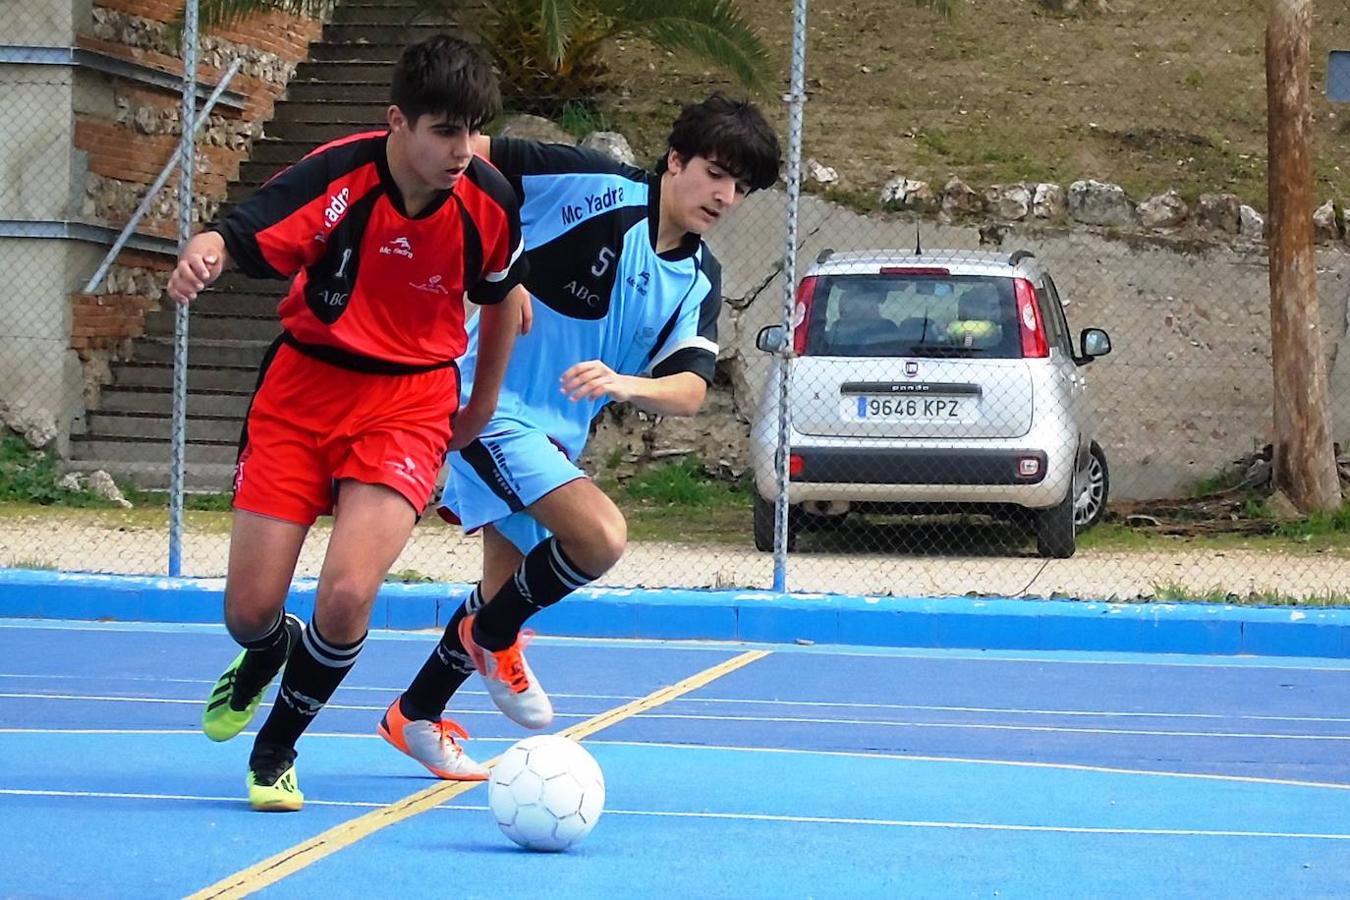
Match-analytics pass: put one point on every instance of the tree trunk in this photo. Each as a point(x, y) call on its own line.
point(1304, 463)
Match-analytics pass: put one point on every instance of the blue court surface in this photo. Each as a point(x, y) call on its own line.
point(781, 771)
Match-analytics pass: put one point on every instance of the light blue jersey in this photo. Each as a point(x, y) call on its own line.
point(600, 291)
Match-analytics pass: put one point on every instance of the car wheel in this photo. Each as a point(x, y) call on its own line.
point(763, 525)
point(1055, 533)
point(1090, 506)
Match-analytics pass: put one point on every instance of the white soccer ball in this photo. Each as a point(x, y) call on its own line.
point(546, 792)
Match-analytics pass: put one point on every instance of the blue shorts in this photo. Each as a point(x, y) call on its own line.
point(493, 479)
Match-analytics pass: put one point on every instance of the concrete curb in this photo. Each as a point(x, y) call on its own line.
point(761, 616)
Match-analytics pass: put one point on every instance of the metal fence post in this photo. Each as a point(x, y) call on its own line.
point(796, 99)
point(178, 431)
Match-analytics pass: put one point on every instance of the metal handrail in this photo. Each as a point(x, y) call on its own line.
point(160, 181)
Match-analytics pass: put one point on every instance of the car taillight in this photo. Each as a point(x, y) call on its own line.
point(796, 465)
point(801, 314)
point(1034, 344)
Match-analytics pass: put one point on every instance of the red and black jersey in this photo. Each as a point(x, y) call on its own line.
point(371, 282)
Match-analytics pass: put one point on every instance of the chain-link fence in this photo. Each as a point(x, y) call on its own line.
point(1023, 347)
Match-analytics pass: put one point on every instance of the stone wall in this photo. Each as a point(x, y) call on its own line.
point(124, 132)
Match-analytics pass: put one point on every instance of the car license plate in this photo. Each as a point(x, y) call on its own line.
point(907, 408)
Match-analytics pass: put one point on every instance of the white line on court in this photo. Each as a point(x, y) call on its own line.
point(751, 817)
point(797, 751)
point(736, 701)
point(1046, 657)
point(776, 720)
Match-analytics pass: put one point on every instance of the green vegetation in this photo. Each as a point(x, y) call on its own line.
point(31, 476)
point(1172, 592)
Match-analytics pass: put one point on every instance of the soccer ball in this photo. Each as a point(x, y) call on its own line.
point(546, 792)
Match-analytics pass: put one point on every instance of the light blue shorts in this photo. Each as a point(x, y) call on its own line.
point(493, 479)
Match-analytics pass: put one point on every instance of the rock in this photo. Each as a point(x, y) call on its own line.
point(1098, 203)
point(612, 144)
point(1325, 225)
point(535, 128)
point(1222, 212)
point(906, 193)
point(102, 485)
point(36, 425)
point(1282, 509)
point(1251, 224)
point(1163, 211)
point(959, 199)
point(820, 173)
point(1008, 202)
point(1048, 201)
point(69, 482)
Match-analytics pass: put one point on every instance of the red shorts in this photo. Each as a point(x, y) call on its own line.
point(313, 424)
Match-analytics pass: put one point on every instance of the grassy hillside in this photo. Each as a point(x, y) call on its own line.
point(1151, 94)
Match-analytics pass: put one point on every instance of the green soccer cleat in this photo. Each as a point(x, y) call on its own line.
point(220, 720)
point(272, 783)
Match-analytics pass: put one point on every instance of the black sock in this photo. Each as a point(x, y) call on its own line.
point(544, 577)
point(265, 657)
point(445, 669)
point(314, 671)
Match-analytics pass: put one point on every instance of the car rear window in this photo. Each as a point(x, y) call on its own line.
point(914, 315)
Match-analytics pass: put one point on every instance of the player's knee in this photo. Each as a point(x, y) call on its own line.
point(607, 540)
point(250, 614)
point(343, 606)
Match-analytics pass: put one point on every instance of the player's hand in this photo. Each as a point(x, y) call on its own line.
point(593, 380)
point(199, 265)
point(526, 315)
point(468, 424)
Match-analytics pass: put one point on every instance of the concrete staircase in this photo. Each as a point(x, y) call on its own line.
point(343, 87)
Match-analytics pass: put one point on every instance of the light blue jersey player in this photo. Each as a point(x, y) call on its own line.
point(625, 300)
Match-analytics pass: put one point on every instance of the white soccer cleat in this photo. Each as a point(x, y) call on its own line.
point(510, 682)
point(432, 744)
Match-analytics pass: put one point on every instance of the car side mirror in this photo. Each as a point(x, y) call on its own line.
point(771, 339)
point(1095, 343)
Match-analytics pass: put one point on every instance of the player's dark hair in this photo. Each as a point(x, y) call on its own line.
point(445, 75)
point(733, 132)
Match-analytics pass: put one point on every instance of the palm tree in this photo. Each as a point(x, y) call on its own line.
point(548, 51)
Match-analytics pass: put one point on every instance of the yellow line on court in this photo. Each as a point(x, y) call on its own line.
point(292, 860)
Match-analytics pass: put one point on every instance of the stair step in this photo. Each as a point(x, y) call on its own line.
point(219, 404)
point(329, 110)
point(204, 352)
point(135, 450)
point(154, 476)
point(312, 134)
point(235, 281)
point(200, 378)
point(279, 152)
point(240, 303)
point(158, 427)
point(327, 71)
point(355, 51)
point(369, 31)
point(382, 13)
point(300, 90)
point(215, 327)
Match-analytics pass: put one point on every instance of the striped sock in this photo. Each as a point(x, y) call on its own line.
point(313, 673)
point(445, 670)
point(544, 578)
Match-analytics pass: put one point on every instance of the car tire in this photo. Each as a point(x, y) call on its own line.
point(1090, 506)
point(1056, 535)
point(763, 525)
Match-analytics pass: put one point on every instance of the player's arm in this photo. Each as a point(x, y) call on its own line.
point(498, 325)
point(680, 394)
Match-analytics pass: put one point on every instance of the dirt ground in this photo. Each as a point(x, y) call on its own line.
point(441, 554)
point(1150, 94)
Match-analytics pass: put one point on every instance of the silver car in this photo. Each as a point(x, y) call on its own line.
point(934, 382)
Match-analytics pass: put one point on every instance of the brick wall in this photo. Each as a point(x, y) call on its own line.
point(126, 149)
